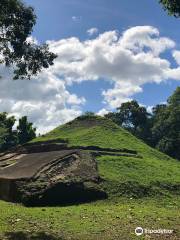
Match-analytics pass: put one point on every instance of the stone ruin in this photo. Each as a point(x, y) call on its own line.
point(49, 174)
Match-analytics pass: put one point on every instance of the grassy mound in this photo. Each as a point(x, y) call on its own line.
point(154, 173)
point(142, 192)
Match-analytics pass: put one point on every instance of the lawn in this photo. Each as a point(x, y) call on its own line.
point(110, 219)
point(143, 191)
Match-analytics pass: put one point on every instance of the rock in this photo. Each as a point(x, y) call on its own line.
point(18, 220)
point(49, 177)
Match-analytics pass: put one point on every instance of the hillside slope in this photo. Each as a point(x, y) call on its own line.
point(142, 188)
point(150, 174)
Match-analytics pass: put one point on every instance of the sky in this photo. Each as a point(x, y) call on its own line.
point(108, 52)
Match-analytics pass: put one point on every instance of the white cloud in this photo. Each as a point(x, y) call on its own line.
point(76, 18)
point(102, 112)
point(120, 93)
point(44, 100)
point(150, 109)
point(92, 31)
point(127, 61)
point(137, 38)
point(32, 40)
point(176, 55)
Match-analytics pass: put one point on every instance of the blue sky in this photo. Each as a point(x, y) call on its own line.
point(55, 17)
point(55, 22)
point(133, 52)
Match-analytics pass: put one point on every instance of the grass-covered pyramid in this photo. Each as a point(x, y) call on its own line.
point(141, 183)
point(126, 165)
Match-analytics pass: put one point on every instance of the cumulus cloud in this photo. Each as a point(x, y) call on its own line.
point(92, 31)
point(44, 100)
point(102, 112)
point(176, 55)
point(128, 61)
point(137, 38)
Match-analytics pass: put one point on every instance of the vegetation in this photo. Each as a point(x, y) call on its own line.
point(161, 129)
point(102, 220)
point(25, 130)
point(166, 126)
point(171, 6)
point(142, 191)
point(134, 118)
point(10, 137)
point(16, 24)
point(102, 132)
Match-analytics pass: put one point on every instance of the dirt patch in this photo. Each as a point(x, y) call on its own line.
point(52, 172)
point(47, 178)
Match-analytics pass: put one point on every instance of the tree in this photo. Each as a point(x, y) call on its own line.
point(115, 117)
point(16, 24)
point(133, 118)
point(172, 6)
point(3, 134)
point(8, 136)
point(166, 126)
point(132, 115)
point(174, 100)
point(25, 130)
point(160, 129)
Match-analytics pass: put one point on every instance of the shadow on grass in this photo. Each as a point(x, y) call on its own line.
point(66, 195)
point(30, 236)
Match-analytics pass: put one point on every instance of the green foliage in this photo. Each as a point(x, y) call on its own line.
point(132, 115)
point(133, 118)
point(160, 129)
point(25, 130)
point(8, 137)
point(172, 6)
point(174, 100)
point(117, 171)
point(3, 134)
point(142, 191)
point(16, 24)
point(87, 115)
point(166, 126)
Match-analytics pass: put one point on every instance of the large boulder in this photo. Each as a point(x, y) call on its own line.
point(48, 176)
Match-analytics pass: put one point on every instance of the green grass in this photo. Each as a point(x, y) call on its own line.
point(142, 191)
point(94, 131)
point(136, 177)
point(154, 170)
point(98, 131)
point(115, 219)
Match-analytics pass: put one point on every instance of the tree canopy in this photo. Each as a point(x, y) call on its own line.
point(161, 129)
point(26, 131)
point(16, 25)
point(172, 6)
point(133, 118)
point(11, 136)
point(8, 137)
point(166, 126)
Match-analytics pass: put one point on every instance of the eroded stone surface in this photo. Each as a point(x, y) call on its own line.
point(49, 177)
